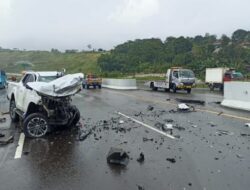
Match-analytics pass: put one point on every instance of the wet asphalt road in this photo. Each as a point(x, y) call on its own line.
point(207, 157)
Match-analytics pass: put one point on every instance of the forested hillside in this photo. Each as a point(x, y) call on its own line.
point(197, 53)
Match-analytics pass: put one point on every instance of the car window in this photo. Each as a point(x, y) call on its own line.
point(28, 78)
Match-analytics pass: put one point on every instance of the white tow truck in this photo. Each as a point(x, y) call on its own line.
point(43, 100)
point(177, 78)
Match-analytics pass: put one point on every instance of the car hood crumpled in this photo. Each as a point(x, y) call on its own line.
point(64, 86)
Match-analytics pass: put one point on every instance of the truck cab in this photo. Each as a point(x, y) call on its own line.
point(177, 78)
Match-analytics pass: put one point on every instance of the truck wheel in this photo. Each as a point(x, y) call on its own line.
point(152, 86)
point(211, 87)
point(35, 125)
point(167, 89)
point(174, 88)
point(13, 115)
point(189, 90)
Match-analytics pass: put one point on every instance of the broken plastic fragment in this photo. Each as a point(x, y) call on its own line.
point(247, 124)
point(141, 158)
point(117, 156)
point(150, 108)
point(183, 107)
point(172, 160)
point(2, 120)
point(121, 122)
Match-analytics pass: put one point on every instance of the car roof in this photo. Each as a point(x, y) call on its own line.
point(44, 73)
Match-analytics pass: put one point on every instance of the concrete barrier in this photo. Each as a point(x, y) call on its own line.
point(120, 84)
point(237, 95)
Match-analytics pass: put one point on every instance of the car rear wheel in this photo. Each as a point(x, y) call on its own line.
point(13, 115)
point(35, 125)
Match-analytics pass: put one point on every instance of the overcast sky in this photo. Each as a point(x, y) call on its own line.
point(73, 24)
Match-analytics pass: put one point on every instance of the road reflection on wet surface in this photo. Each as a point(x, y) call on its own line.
point(210, 151)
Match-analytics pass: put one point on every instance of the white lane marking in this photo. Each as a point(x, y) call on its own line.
point(19, 148)
point(146, 125)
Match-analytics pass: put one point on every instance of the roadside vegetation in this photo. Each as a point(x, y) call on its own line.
point(197, 53)
point(140, 56)
point(17, 61)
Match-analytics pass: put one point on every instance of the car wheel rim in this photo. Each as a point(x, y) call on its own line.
point(37, 127)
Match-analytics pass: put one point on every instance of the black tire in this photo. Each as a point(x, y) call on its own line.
point(189, 90)
point(35, 125)
point(77, 116)
point(174, 88)
point(211, 87)
point(152, 86)
point(167, 89)
point(13, 115)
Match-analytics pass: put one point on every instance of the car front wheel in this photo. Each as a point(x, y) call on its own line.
point(35, 125)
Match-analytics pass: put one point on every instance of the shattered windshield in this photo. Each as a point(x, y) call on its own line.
point(46, 78)
point(186, 73)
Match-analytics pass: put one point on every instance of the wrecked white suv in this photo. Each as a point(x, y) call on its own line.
point(43, 100)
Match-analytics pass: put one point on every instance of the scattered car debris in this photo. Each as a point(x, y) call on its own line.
point(168, 99)
point(150, 108)
point(84, 134)
point(159, 125)
point(141, 158)
point(212, 124)
point(138, 114)
point(5, 113)
point(117, 156)
point(169, 126)
point(244, 135)
point(178, 127)
point(7, 140)
point(239, 156)
point(201, 102)
point(224, 132)
point(140, 187)
point(247, 125)
point(172, 160)
point(147, 139)
point(183, 107)
point(121, 121)
point(2, 120)
point(169, 120)
point(194, 126)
